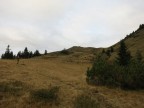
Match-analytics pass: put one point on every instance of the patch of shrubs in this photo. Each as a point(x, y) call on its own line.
point(65, 52)
point(126, 72)
point(85, 101)
point(13, 88)
point(126, 77)
point(45, 95)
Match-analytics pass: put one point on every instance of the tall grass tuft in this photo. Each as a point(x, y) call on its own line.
point(85, 101)
point(45, 95)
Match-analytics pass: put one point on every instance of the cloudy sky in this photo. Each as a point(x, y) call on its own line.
point(58, 24)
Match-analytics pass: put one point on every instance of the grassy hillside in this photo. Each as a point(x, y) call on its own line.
point(133, 41)
point(17, 83)
point(25, 85)
point(75, 54)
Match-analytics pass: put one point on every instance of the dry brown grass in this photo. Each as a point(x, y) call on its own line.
point(68, 76)
point(136, 42)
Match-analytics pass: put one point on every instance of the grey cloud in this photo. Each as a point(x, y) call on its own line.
point(58, 24)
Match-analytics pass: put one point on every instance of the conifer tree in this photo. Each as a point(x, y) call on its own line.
point(26, 53)
point(30, 54)
point(45, 53)
point(124, 56)
point(36, 53)
point(111, 49)
point(8, 54)
point(108, 52)
point(19, 54)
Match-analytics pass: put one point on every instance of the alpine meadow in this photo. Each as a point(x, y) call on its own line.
point(71, 54)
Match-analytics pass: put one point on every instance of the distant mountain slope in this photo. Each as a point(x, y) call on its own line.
point(133, 41)
point(75, 54)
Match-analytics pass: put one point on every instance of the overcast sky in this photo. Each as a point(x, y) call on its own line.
point(57, 24)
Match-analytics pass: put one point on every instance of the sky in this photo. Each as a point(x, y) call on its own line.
point(57, 24)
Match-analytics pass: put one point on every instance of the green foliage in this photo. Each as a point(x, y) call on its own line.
point(45, 53)
point(13, 88)
point(134, 76)
point(124, 56)
point(28, 54)
point(102, 73)
point(8, 54)
point(112, 49)
point(141, 27)
point(36, 53)
point(65, 52)
point(138, 56)
point(126, 77)
point(108, 52)
point(45, 95)
point(85, 101)
point(22, 54)
point(132, 35)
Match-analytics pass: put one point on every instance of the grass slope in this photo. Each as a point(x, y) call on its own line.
point(77, 54)
point(35, 74)
point(134, 42)
point(68, 73)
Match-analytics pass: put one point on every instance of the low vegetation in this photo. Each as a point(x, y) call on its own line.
point(141, 27)
point(85, 101)
point(126, 72)
point(18, 89)
point(12, 88)
point(65, 52)
point(45, 95)
point(22, 54)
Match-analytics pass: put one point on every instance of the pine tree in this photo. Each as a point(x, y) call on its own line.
point(141, 26)
point(108, 52)
point(30, 54)
point(19, 54)
point(36, 53)
point(124, 56)
point(26, 53)
point(8, 54)
point(111, 49)
point(11, 56)
point(45, 53)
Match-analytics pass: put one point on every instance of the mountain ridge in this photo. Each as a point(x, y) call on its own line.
point(134, 42)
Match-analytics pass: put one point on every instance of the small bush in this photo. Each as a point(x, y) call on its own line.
point(133, 76)
point(85, 101)
point(102, 73)
point(45, 95)
point(13, 88)
point(65, 52)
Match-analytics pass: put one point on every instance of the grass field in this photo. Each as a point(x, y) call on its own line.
point(19, 80)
